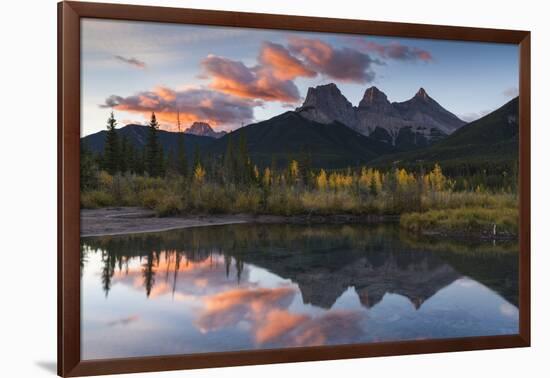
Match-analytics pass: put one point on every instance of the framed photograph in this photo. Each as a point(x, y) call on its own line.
point(239, 188)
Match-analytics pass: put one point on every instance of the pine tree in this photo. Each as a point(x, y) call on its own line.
point(162, 163)
point(154, 159)
point(229, 160)
point(139, 161)
point(244, 166)
point(171, 165)
point(131, 159)
point(111, 149)
point(305, 166)
point(88, 168)
point(181, 163)
point(123, 161)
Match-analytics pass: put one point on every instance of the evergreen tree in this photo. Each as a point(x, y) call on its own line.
point(111, 149)
point(161, 161)
point(88, 168)
point(154, 159)
point(181, 163)
point(305, 166)
point(171, 164)
point(131, 158)
point(123, 161)
point(229, 161)
point(244, 165)
point(148, 272)
point(139, 161)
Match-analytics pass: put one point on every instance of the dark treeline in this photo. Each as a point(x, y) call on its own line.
point(235, 166)
point(121, 156)
point(470, 174)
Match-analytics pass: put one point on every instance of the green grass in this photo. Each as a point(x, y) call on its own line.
point(464, 219)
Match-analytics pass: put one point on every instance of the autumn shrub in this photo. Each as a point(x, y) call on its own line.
point(329, 202)
point(210, 199)
point(95, 199)
point(170, 204)
point(284, 202)
point(469, 219)
point(150, 198)
point(248, 201)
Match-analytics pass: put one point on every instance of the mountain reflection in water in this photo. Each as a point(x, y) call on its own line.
point(239, 287)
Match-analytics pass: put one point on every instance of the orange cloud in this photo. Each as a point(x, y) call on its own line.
point(266, 312)
point(234, 78)
point(228, 308)
point(219, 304)
point(277, 323)
point(333, 327)
point(343, 64)
point(195, 104)
point(282, 64)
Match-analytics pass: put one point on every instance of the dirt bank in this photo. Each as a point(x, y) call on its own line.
point(131, 220)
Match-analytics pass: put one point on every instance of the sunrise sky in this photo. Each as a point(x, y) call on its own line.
point(230, 76)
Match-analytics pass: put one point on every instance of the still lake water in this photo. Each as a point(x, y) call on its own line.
point(246, 286)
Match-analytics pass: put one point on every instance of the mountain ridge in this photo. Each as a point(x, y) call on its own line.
point(493, 137)
point(289, 135)
point(137, 136)
point(406, 125)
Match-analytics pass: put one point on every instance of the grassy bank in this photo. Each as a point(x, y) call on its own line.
point(501, 221)
point(425, 203)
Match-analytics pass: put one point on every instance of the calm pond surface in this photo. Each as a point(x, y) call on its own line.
point(247, 286)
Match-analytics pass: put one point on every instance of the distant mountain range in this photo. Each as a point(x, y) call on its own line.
point(203, 129)
point(492, 138)
point(331, 133)
point(137, 135)
point(405, 125)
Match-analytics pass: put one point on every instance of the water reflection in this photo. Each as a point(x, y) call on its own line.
point(263, 286)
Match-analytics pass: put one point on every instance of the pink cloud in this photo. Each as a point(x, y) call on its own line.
point(394, 50)
point(343, 64)
point(282, 64)
point(234, 78)
point(193, 104)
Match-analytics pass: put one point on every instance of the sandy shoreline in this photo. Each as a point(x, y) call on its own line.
point(134, 220)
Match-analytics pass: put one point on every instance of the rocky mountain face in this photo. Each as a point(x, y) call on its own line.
point(204, 129)
point(326, 104)
point(405, 125)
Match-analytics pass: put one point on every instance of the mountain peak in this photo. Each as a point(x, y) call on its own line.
point(330, 90)
point(203, 129)
point(325, 104)
point(373, 96)
point(325, 95)
point(421, 94)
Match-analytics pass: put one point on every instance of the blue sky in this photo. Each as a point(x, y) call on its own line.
point(234, 76)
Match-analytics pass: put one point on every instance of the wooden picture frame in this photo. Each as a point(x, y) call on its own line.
point(69, 341)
